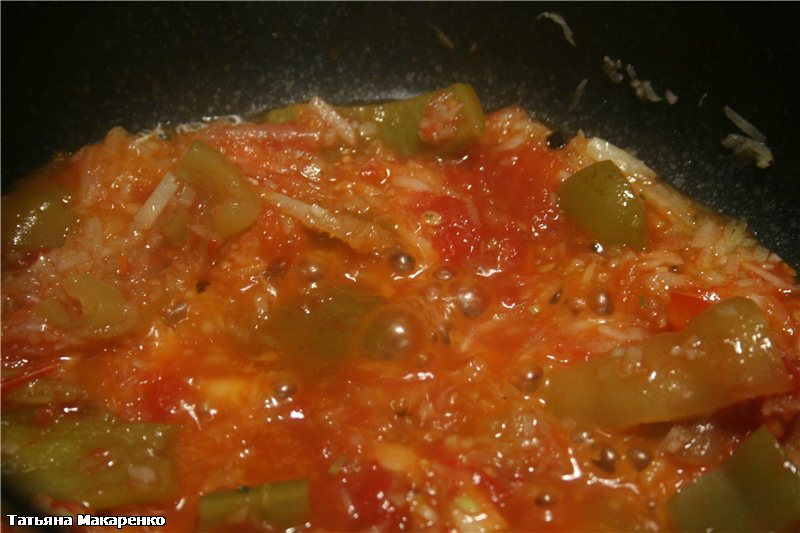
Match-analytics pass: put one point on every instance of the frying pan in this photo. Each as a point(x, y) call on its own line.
point(73, 71)
point(70, 72)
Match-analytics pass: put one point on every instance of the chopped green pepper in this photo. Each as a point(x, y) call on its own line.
point(42, 391)
point(207, 169)
point(725, 355)
point(236, 206)
point(35, 216)
point(284, 114)
point(390, 332)
point(98, 461)
point(756, 489)
point(176, 226)
point(401, 123)
point(600, 200)
point(321, 327)
point(280, 505)
point(104, 311)
point(234, 215)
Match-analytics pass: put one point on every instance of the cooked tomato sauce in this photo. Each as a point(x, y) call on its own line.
point(396, 351)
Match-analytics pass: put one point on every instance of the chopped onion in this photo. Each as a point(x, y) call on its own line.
point(397, 457)
point(744, 125)
point(558, 19)
point(156, 203)
point(613, 69)
point(644, 91)
point(368, 129)
point(576, 97)
point(767, 276)
point(741, 144)
point(361, 235)
point(600, 149)
point(442, 37)
point(412, 184)
point(269, 132)
point(671, 97)
point(643, 88)
point(142, 474)
point(186, 196)
point(337, 121)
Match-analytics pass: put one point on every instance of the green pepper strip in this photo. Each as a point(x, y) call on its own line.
point(317, 331)
point(724, 356)
point(237, 205)
point(756, 489)
point(27, 377)
point(35, 216)
point(281, 505)
point(98, 461)
point(600, 200)
point(104, 311)
point(399, 122)
point(176, 226)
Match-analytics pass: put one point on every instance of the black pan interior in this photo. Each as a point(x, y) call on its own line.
point(72, 71)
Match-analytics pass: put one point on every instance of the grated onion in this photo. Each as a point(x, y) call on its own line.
point(741, 123)
point(412, 184)
point(155, 203)
point(613, 69)
point(442, 37)
point(742, 145)
point(359, 234)
point(671, 97)
point(644, 91)
point(600, 149)
point(558, 19)
point(576, 97)
point(142, 474)
point(268, 132)
point(337, 121)
point(643, 88)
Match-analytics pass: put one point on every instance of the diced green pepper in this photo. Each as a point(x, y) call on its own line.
point(234, 215)
point(35, 216)
point(207, 169)
point(284, 114)
point(399, 123)
point(98, 461)
point(103, 306)
point(724, 356)
point(320, 327)
point(390, 332)
point(600, 200)
point(273, 505)
point(756, 489)
point(104, 311)
point(237, 205)
point(43, 391)
point(176, 226)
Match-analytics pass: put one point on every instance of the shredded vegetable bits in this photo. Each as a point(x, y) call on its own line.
point(403, 315)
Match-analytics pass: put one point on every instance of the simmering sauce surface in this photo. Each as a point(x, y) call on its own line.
point(385, 328)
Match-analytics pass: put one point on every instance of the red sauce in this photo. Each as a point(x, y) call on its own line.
point(385, 442)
